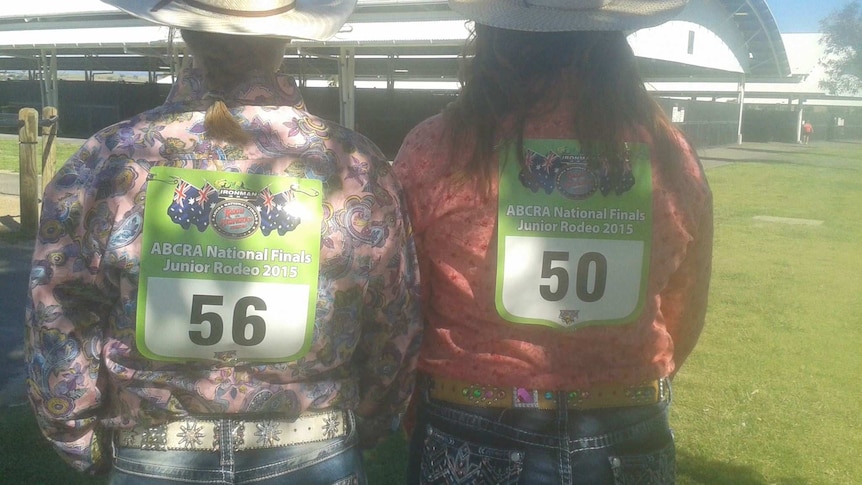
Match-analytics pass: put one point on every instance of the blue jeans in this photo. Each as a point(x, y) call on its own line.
point(337, 461)
point(453, 443)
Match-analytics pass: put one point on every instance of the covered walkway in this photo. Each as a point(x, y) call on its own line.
point(386, 44)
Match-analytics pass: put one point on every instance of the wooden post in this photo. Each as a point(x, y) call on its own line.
point(28, 182)
point(49, 146)
point(347, 86)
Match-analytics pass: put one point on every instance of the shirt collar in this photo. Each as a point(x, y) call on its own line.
point(259, 89)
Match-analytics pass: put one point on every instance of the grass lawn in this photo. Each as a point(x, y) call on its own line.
point(9, 153)
point(771, 394)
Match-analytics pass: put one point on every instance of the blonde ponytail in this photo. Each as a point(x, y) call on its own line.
point(220, 123)
point(227, 61)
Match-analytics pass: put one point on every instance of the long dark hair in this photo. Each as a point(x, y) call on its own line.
point(510, 76)
point(228, 60)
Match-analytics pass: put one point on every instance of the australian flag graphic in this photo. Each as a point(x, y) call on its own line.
point(273, 212)
point(191, 205)
point(540, 171)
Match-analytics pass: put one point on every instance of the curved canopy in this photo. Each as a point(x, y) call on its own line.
point(416, 38)
point(755, 22)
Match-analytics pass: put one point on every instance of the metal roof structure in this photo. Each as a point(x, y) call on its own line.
point(391, 44)
point(419, 39)
point(755, 22)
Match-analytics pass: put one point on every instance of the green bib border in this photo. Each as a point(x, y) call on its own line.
point(198, 247)
point(548, 210)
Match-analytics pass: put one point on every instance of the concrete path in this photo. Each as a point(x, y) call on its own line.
point(14, 268)
point(750, 152)
point(9, 184)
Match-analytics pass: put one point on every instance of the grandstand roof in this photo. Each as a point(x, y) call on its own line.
point(756, 23)
point(418, 39)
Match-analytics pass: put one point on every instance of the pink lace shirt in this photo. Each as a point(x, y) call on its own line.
point(456, 238)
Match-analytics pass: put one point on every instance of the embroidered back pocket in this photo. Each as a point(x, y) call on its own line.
point(447, 459)
point(656, 468)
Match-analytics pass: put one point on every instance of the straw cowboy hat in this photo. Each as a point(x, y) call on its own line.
point(303, 19)
point(567, 15)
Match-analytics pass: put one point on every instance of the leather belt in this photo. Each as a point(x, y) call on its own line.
point(470, 394)
point(190, 433)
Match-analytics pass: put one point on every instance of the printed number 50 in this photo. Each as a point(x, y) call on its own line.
point(241, 321)
point(582, 279)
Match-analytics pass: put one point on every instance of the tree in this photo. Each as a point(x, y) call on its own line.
point(842, 39)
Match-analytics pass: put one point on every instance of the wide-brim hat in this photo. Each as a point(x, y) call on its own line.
point(303, 19)
point(569, 15)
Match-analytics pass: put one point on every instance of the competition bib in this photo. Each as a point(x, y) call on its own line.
point(573, 242)
point(229, 266)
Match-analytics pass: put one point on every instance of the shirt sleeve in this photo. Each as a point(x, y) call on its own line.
point(392, 323)
point(413, 169)
point(417, 171)
point(66, 309)
point(684, 299)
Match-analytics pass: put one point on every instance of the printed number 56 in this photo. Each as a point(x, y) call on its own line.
point(241, 321)
point(582, 279)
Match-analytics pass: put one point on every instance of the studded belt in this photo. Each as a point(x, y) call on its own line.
point(471, 394)
point(194, 434)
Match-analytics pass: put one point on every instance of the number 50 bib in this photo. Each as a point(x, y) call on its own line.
point(573, 242)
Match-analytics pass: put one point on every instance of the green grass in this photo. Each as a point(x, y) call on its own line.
point(27, 459)
point(771, 395)
point(9, 153)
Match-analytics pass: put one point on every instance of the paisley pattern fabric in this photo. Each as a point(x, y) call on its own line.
point(86, 375)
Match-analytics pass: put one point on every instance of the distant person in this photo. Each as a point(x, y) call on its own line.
point(564, 230)
point(224, 287)
point(807, 131)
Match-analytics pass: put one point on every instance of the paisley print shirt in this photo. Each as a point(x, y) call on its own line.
point(86, 374)
point(456, 236)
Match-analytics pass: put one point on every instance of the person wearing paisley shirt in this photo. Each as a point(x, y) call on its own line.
point(224, 288)
point(564, 231)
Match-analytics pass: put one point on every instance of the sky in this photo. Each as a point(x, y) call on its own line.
point(793, 16)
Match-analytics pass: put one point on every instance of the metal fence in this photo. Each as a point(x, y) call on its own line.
point(386, 116)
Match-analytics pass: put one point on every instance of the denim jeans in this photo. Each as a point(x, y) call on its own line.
point(337, 461)
point(457, 444)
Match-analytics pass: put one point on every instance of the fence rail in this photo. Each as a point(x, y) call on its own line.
point(30, 127)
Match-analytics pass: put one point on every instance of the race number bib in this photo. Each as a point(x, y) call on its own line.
point(573, 242)
point(229, 266)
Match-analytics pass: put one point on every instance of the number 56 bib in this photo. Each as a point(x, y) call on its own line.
point(573, 241)
point(229, 266)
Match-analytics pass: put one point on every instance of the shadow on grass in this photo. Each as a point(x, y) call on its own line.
point(776, 162)
point(12, 236)
point(776, 153)
point(791, 149)
point(387, 463)
point(27, 458)
point(750, 160)
point(10, 222)
point(699, 470)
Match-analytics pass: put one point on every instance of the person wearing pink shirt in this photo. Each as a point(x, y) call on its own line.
point(564, 232)
point(224, 288)
point(807, 131)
